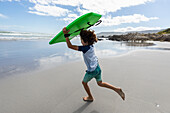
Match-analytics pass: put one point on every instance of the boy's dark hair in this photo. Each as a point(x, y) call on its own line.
point(88, 36)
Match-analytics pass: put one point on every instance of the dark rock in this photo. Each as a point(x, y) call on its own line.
point(133, 37)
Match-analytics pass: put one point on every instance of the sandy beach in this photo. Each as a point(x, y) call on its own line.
point(41, 70)
point(142, 74)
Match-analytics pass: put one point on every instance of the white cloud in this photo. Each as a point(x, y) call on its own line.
point(59, 8)
point(104, 7)
point(55, 7)
point(70, 17)
point(71, 9)
point(135, 18)
point(44, 2)
point(98, 6)
point(48, 10)
point(67, 2)
point(38, 13)
point(3, 16)
point(60, 2)
point(9, 0)
point(141, 28)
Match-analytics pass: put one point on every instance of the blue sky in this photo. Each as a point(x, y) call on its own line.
point(50, 16)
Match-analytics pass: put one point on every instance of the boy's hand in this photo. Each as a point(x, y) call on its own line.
point(65, 30)
point(68, 41)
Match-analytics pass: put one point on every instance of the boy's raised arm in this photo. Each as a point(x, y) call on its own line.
point(69, 44)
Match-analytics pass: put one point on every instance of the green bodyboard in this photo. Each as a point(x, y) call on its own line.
point(83, 22)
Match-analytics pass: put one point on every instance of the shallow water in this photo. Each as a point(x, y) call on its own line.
point(18, 56)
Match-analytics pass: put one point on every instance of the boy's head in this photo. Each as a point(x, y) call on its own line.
point(88, 37)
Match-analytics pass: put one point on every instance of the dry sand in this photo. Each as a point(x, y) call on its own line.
point(143, 75)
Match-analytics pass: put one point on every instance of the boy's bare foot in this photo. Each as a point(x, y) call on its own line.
point(121, 93)
point(88, 99)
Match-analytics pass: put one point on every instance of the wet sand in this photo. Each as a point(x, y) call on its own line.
point(143, 75)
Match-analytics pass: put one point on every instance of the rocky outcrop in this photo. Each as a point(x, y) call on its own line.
point(138, 37)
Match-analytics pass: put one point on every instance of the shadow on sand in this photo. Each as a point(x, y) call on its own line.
point(82, 108)
point(94, 111)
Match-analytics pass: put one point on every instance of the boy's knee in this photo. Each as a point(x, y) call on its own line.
point(84, 83)
point(100, 83)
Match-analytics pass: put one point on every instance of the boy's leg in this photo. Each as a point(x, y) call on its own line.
point(118, 90)
point(87, 89)
point(86, 79)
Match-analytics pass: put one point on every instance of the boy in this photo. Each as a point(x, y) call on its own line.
point(88, 38)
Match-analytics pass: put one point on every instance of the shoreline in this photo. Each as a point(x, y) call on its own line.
point(56, 59)
point(142, 74)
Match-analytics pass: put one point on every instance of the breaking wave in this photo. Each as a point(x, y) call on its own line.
point(24, 36)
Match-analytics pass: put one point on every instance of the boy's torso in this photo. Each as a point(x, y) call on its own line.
point(89, 56)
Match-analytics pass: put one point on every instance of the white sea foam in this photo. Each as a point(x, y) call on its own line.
point(24, 36)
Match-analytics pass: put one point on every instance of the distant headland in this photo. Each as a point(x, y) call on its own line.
point(141, 36)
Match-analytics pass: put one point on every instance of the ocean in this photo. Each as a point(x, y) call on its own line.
point(25, 52)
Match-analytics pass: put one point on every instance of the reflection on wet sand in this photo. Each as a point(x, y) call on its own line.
point(139, 44)
point(145, 44)
point(158, 48)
